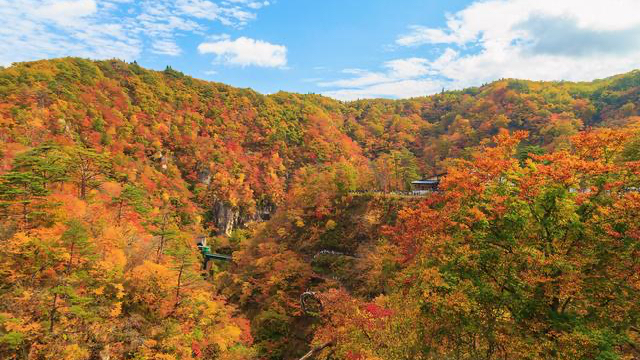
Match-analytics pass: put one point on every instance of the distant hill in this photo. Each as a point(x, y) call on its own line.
point(237, 150)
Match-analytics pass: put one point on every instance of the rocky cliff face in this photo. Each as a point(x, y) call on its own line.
point(227, 218)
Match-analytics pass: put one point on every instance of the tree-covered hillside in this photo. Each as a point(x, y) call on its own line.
point(110, 173)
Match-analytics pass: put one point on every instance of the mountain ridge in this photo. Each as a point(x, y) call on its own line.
point(431, 128)
point(132, 166)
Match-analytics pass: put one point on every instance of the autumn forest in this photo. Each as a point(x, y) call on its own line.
point(150, 215)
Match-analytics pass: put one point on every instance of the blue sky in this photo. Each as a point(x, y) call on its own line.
point(346, 49)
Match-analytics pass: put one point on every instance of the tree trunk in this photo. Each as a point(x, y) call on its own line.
point(175, 307)
point(120, 205)
point(70, 263)
point(53, 312)
point(162, 238)
point(25, 215)
point(160, 248)
point(83, 188)
point(313, 352)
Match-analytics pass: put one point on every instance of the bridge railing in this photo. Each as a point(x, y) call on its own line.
point(411, 193)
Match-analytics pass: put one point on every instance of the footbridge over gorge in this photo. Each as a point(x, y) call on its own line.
point(207, 254)
point(310, 303)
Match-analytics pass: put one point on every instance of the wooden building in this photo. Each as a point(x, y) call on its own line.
point(428, 185)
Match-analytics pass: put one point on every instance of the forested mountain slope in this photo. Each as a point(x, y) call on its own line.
point(241, 148)
point(109, 172)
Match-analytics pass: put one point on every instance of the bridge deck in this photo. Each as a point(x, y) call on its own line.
point(218, 257)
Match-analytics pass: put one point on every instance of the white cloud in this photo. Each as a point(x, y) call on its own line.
point(251, 3)
point(35, 29)
point(165, 47)
point(533, 39)
point(401, 78)
point(257, 4)
point(363, 78)
point(393, 89)
point(66, 12)
point(199, 8)
point(423, 35)
point(408, 68)
point(245, 51)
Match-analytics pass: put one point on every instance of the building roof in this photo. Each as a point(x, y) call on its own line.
point(425, 182)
